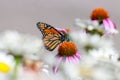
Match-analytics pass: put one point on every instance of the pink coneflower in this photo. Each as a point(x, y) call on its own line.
point(101, 15)
point(67, 50)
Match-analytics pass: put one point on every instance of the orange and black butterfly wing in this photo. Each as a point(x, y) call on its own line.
point(51, 42)
point(51, 37)
point(42, 27)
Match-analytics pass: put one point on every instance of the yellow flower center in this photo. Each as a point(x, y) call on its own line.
point(4, 67)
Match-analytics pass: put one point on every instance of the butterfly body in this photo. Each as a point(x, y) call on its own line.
point(51, 36)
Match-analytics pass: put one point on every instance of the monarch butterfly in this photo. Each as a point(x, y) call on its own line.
point(51, 36)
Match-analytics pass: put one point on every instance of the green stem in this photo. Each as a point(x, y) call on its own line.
point(100, 20)
point(18, 60)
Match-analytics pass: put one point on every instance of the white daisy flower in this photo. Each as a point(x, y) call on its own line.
point(32, 45)
point(104, 73)
point(94, 41)
point(20, 44)
point(58, 76)
point(112, 31)
point(2, 46)
point(77, 71)
point(107, 28)
point(90, 69)
point(105, 54)
point(88, 24)
point(7, 63)
point(12, 41)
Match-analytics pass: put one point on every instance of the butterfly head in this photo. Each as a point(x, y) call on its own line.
point(38, 24)
point(41, 25)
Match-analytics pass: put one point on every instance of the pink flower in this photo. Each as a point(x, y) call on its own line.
point(67, 50)
point(109, 26)
point(101, 15)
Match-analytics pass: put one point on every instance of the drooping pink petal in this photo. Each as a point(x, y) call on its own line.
point(110, 27)
point(111, 24)
point(67, 59)
point(106, 24)
point(72, 59)
point(78, 55)
point(76, 59)
point(114, 25)
point(55, 69)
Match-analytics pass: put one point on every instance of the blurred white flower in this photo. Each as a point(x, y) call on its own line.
point(20, 44)
point(90, 69)
point(51, 59)
point(7, 63)
point(58, 76)
point(73, 71)
point(94, 25)
point(112, 31)
point(88, 24)
point(12, 41)
point(2, 46)
point(104, 73)
point(95, 41)
point(105, 54)
point(32, 45)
